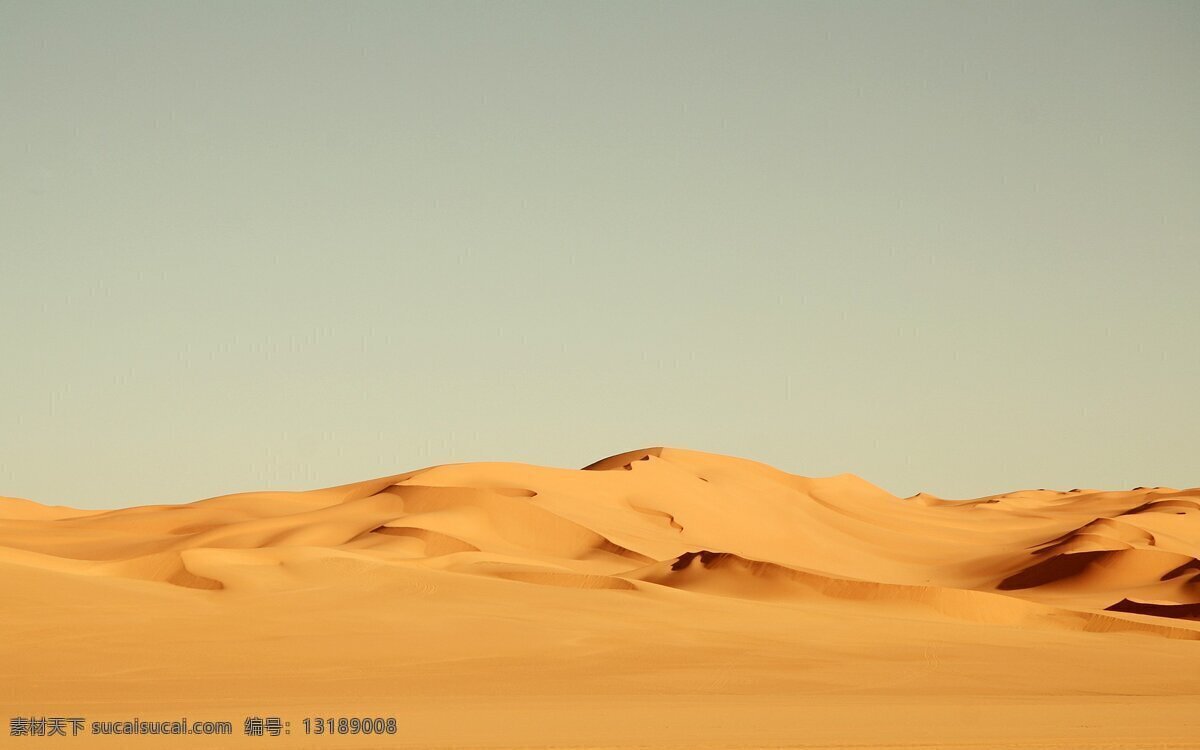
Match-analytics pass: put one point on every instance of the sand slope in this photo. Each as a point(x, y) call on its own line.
point(659, 598)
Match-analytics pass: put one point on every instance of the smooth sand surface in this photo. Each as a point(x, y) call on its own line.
point(659, 598)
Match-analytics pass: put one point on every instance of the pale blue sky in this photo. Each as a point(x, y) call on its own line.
point(951, 247)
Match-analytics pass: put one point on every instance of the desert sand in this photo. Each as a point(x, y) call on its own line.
point(660, 598)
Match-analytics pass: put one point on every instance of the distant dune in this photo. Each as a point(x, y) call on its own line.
point(657, 598)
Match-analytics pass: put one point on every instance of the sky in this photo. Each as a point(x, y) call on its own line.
point(950, 247)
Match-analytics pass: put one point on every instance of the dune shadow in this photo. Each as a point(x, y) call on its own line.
point(1176, 611)
point(1054, 569)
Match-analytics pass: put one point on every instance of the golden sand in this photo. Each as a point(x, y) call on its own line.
point(659, 598)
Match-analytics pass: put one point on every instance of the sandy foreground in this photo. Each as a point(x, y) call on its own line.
point(657, 599)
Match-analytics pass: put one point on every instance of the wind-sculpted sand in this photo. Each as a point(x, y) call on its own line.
point(659, 598)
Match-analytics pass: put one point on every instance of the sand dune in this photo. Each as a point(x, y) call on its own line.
point(660, 578)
